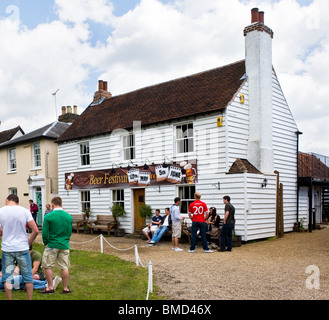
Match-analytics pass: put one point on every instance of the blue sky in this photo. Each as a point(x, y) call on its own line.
point(51, 44)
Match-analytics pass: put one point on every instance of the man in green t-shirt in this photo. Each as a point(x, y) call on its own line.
point(56, 234)
point(37, 270)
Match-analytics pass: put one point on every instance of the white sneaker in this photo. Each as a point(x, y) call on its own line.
point(191, 251)
point(208, 251)
point(178, 249)
point(173, 248)
point(56, 282)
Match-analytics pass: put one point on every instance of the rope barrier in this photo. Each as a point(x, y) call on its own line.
point(137, 259)
point(86, 241)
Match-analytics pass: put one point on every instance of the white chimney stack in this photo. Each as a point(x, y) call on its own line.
point(258, 42)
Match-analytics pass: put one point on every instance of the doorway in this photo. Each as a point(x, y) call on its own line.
point(139, 199)
point(38, 195)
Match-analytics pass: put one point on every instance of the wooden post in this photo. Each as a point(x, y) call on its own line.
point(277, 215)
point(281, 212)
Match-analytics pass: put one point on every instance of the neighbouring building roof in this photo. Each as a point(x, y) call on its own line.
point(311, 165)
point(9, 134)
point(50, 131)
point(197, 94)
point(243, 166)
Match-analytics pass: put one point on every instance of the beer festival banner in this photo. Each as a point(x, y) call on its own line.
point(184, 172)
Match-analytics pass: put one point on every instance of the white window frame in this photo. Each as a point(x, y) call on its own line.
point(12, 163)
point(82, 155)
point(12, 191)
point(36, 156)
point(131, 148)
point(185, 137)
point(115, 197)
point(183, 198)
point(85, 202)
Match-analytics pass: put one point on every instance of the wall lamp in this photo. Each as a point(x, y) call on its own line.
point(164, 165)
point(217, 186)
point(129, 167)
point(146, 165)
point(264, 184)
point(29, 180)
point(113, 170)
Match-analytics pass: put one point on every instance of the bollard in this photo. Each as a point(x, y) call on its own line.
point(150, 277)
point(136, 255)
point(101, 243)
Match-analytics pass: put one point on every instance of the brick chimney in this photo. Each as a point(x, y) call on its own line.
point(258, 46)
point(67, 116)
point(102, 91)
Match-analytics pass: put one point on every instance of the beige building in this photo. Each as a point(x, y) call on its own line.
point(29, 166)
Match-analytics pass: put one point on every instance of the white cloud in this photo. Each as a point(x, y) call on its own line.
point(155, 42)
point(80, 11)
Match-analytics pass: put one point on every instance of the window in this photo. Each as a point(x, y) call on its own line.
point(36, 155)
point(13, 191)
point(118, 197)
point(184, 138)
point(186, 193)
point(85, 200)
point(84, 154)
point(12, 159)
point(128, 147)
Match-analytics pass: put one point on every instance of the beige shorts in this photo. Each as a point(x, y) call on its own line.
point(50, 256)
point(176, 229)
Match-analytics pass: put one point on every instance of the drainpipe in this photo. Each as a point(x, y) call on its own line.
point(310, 205)
point(298, 133)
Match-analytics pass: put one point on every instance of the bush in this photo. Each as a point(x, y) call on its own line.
point(117, 211)
point(145, 211)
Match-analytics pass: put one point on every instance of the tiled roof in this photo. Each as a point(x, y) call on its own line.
point(9, 134)
point(201, 93)
point(50, 131)
point(243, 166)
point(310, 166)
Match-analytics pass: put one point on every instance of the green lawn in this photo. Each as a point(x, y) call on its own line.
point(96, 276)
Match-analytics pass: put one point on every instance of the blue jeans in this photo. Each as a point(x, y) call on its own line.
point(159, 233)
point(23, 259)
point(226, 236)
point(203, 229)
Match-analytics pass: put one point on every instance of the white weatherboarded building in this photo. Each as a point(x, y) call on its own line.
point(220, 132)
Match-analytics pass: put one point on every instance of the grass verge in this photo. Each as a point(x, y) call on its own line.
point(96, 276)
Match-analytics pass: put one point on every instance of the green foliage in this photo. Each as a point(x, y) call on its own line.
point(117, 211)
point(145, 211)
point(87, 212)
point(96, 276)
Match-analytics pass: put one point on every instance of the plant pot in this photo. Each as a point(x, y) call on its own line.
point(236, 241)
point(119, 232)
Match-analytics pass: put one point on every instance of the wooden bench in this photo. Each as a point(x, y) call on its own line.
point(78, 221)
point(103, 222)
point(189, 234)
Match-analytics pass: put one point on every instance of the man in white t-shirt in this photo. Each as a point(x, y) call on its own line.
point(15, 243)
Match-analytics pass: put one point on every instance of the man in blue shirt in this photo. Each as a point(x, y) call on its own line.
point(153, 226)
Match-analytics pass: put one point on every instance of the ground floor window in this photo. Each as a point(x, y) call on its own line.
point(85, 200)
point(118, 197)
point(186, 193)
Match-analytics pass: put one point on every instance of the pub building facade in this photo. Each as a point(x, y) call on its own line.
point(225, 131)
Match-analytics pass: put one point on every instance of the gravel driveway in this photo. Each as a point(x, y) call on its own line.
point(261, 270)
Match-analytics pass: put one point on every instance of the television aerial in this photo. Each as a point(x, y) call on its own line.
point(54, 94)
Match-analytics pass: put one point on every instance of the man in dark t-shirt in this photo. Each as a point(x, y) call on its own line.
point(228, 226)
